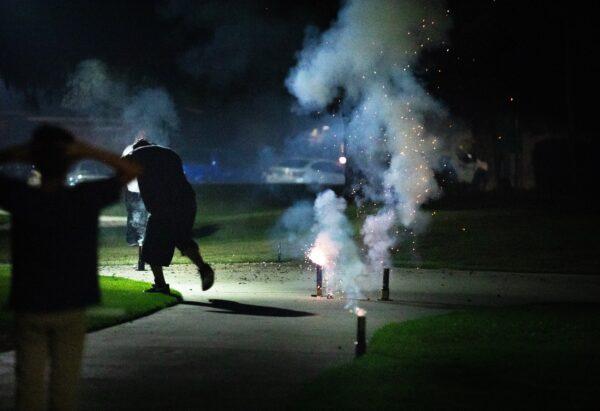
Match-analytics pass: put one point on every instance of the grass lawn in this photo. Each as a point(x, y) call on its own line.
point(235, 224)
point(122, 300)
point(506, 240)
point(538, 357)
point(235, 236)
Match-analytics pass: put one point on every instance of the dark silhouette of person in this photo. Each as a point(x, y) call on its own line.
point(54, 236)
point(171, 202)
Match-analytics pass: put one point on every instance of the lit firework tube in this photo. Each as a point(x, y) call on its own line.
point(361, 332)
point(319, 281)
point(318, 256)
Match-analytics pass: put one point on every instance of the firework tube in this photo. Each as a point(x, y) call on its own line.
point(385, 289)
point(361, 335)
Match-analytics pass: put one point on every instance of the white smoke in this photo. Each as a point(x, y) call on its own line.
point(93, 91)
point(373, 41)
point(379, 238)
point(368, 55)
point(334, 249)
point(153, 111)
point(294, 232)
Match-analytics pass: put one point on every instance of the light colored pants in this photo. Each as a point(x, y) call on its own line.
point(55, 336)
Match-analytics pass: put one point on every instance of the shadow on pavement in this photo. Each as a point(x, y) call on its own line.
point(232, 307)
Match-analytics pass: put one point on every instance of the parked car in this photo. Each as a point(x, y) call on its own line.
point(306, 171)
point(88, 171)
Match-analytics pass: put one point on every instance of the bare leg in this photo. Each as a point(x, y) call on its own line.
point(192, 252)
point(159, 277)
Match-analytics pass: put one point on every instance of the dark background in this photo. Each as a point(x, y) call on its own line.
point(224, 62)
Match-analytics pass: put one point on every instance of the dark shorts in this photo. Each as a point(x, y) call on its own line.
point(165, 232)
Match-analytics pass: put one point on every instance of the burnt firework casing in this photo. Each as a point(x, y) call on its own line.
point(385, 289)
point(361, 335)
point(279, 252)
point(140, 265)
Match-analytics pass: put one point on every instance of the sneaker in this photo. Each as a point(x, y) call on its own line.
point(208, 276)
point(156, 289)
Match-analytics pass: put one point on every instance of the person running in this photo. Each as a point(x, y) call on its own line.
point(54, 239)
point(171, 202)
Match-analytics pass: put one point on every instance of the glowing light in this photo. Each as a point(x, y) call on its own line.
point(360, 312)
point(318, 256)
point(342, 160)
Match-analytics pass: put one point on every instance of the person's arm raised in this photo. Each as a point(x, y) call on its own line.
point(126, 169)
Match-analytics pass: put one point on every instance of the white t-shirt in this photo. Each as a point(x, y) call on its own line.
point(133, 184)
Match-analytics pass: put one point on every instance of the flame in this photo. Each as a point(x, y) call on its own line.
point(360, 312)
point(317, 256)
point(324, 251)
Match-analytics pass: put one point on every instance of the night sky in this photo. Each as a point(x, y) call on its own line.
point(224, 62)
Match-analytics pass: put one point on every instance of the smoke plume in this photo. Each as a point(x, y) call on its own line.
point(95, 92)
point(366, 59)
point(294, 231)
point(334, 248)
point(378, 238)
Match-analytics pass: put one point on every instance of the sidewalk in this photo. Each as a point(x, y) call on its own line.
point(251, 341)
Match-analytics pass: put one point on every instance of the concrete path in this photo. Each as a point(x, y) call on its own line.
point(253, 339)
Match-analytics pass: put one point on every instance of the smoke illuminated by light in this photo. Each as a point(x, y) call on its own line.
point(323, 251)
point(369, 53)
point(334, 250)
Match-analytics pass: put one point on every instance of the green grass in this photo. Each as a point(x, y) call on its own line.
point(506, 240)
point(122, 300)
point(539, 357)
point(233, 225)
point(229, 238)
point(235, 222)
point(522, 240)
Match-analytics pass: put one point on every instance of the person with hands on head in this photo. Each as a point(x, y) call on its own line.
point(54, 238)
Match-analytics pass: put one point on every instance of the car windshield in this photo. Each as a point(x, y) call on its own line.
point(296, 163)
